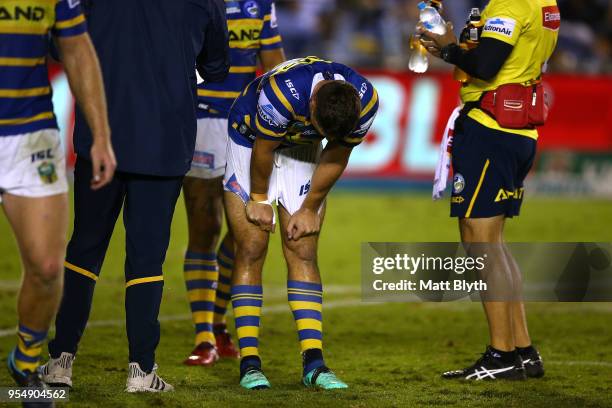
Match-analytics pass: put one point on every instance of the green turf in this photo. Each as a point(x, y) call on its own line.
point(389, 354)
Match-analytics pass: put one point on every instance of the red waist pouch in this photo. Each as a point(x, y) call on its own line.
point(515, 106)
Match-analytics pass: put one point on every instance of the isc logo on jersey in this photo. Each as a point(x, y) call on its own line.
point(294, 92)
point(500, 25)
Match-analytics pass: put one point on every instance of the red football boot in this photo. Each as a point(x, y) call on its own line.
point(205, 354)
point(225, 345)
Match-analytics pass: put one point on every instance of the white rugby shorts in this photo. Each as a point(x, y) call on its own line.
point(209, 157)
point(32, 164)
point(291, 175)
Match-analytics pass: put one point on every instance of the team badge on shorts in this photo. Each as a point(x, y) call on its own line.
point(47, 173)
point(458, 183)
point(252, 8)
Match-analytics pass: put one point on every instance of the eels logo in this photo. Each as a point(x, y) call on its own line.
point(252, 8)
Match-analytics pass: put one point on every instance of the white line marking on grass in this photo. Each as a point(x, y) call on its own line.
point(581, 363)
point(280, 308)
point(10, 285)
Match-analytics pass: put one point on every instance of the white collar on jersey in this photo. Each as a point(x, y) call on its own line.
point(319, 77)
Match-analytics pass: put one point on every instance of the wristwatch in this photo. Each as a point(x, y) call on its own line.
point(449, 52)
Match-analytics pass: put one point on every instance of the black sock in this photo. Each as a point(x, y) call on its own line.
point(219, 328)
point(311, 359)
point(249, 362)
point(506, 357)
point(527, 352)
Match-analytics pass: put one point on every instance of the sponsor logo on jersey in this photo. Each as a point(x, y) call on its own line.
point(294, 92)
point(18, 13)
point(73, 3)
point(245, 35)
point(268, 114)
point(551, 18)
point(363, 90)
point(500, 25)
point(251, 8)
point(232, 7)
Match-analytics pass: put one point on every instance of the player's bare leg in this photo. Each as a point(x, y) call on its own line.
point(305, 295)
point(40, 227)
point(204, 205)
point(251, 245)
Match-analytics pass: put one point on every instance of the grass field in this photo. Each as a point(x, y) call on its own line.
point(390, 354)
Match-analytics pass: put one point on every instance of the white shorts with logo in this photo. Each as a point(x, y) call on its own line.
point(32, 164)
point(211, 147)
point(290, 179)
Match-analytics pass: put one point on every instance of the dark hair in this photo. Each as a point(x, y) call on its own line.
point(338, 108)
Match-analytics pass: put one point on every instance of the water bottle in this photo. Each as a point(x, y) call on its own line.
point(418, 61)
point(470, 36)
point(431, 19)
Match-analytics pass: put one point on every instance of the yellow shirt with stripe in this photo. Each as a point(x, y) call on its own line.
point(532, 28)
point(25, 92)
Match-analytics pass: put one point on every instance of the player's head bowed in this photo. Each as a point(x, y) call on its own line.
point(335, 109)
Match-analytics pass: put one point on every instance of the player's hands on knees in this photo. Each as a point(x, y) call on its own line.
point(303, 223)
point(260, 214)
point(103, 162)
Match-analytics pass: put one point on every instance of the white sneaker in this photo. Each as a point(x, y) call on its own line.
point(139, 381)
point(58, 371)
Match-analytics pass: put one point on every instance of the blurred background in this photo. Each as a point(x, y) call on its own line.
point(400, 154)
point(373, 33)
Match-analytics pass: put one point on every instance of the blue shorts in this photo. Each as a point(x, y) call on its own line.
point(490, 167)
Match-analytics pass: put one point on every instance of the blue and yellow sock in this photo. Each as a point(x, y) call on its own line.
point(26, 356)
point(225, 259)
point(247, 301)
point(201, 275)
point(306, 302)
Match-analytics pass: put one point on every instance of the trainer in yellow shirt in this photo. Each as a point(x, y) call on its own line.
point(531, 28)
point(490, 163)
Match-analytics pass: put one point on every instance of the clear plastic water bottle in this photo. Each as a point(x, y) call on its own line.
point(418, 61)
point(431, 19)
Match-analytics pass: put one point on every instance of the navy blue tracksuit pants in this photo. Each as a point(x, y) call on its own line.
point(148, 204)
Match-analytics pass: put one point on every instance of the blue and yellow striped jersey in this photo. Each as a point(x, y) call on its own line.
point(277, 105)
point(25, 92)
point(252, 28)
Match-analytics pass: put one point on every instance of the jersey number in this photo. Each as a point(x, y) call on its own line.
point(305, 189)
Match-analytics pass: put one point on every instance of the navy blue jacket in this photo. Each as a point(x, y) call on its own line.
point(148, 51)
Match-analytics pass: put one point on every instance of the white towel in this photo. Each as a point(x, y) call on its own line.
point(444, 162)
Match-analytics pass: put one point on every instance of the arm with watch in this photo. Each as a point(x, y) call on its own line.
point(483, 62)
